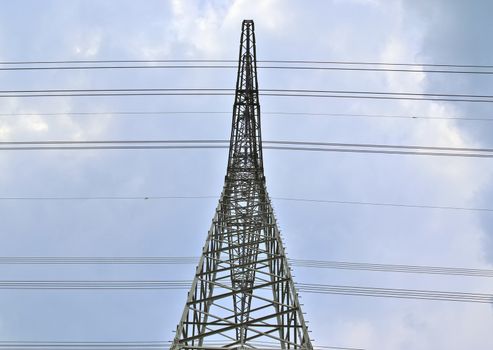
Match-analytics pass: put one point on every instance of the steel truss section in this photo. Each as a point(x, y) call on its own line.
point(243, 295)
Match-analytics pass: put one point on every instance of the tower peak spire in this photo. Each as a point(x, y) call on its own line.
point(246, 139)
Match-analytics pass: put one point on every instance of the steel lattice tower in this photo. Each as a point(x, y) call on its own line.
point(243, 295)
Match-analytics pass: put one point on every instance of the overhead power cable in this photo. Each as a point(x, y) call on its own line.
point(396, 293)
point(290, 199)
point(134, 345)
point(223, 114)
point(227, 114)
point(269, 61)
point(125, 198)
point(180, 260)
point(267, 144)
point(302, 287)
point(376, 63)
point(337, 62)
point(83, 345)
point(382, 204)
point(261, 66)
point(354, 94)
point(418, 269)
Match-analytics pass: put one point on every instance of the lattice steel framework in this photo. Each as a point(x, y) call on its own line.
point(243, 295)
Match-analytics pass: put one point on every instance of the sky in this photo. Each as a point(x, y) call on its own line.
point(420, 31)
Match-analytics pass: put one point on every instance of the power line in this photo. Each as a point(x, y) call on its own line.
point(232, 90)
point(223, 144)
point(181, 260)
point(76, 198)
point(374, 116)
point(120, 61)
point(348, 150)
point(115, 345)
point(383, 204)
point(418, 269)
point(207, 141)
point(217, 66)
point(281, 148)
point(68, 345)
point(334, 62)
point(396, 293)
point(359, 115)
point(290, 199)
point(181, 113)
point(378, 63)
point(352, 94)
point(368, 145)
point(93, 285)
point(302, 287)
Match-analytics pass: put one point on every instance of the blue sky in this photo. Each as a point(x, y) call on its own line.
point(435, 31)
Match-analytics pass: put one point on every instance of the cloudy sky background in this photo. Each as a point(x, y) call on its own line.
point(437, 31)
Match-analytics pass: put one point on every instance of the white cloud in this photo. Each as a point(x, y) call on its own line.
point(88, 45)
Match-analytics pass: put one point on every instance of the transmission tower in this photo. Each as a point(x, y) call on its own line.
point(243, 295)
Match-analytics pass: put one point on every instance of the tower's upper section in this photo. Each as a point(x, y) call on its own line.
point(245, 151)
